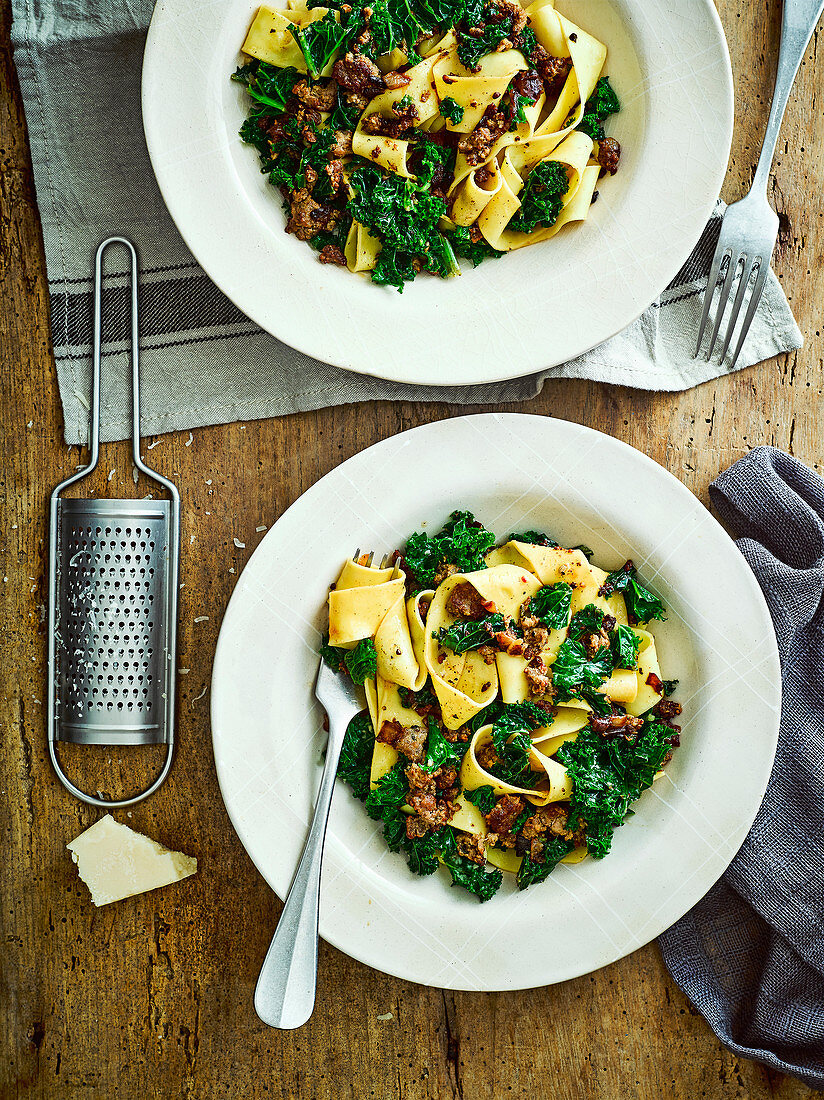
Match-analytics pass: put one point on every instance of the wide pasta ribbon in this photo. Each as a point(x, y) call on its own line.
point(271, 40)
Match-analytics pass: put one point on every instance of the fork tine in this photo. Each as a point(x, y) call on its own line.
point(755, 298)
point(746, 276)
point(369, 558)
point(356, 556)
point(712, 282)
point(726, 288)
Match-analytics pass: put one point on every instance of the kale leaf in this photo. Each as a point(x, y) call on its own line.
point(356, 755)
point(439, 751)
point(513, 764)
point(404, 218)
point(602, 103)
point(422, 852)
point(451, 109)
point(608, 775)
point(532, 871)
point(389, 793)
point(331, 654)
point(527, 43)
point(429, 158)
point(471, 48)
point(462, 541)
point(362, 661)
point(268, 84)
point(542, 198)
point(575, 672)
point(469, 633)
point(517, 718)
point(670, 687)
point(625, 644)
point(482, 797)
point(642, 604)
point(534, 538)
point(551, 605)
point(320, 41)
point(474, 251)
point(472, 876)
point(588, 620)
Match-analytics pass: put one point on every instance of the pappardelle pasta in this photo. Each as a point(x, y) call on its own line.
point(514, 701)
point(405, 136)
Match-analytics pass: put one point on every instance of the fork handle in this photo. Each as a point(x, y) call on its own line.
point(285, 992)
point(797, 25)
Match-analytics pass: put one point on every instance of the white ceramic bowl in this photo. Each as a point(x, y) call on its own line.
point(532, 309)
point(514, 472)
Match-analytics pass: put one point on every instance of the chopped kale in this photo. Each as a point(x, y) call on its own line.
point(534, 538)
point(470, 633)
point(551, 605)
point(332, 655)
point(602, 103)
point(527, 43)
point(495, 26)
point(268, 84)
point(625, 645)
point(517, 718)
point(475, 251)
point(462, 541)
point(670, 687)
point(575, 675)
point(344, 115)
point(320, 41)
point(422, 852)
point(362, 661)
point(428, 158)
point(439, 751)
point(608, 775)
point(532, 871)
point(642, 604)
point(542, 198)
point(417, 700)
point(404, 218)
point(513, 764)
point(389, 793)
point(451, 110)
point(356, 755)
point(482, 797)
point(472, 876)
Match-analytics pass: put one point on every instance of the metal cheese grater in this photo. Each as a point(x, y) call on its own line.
point(113, 586)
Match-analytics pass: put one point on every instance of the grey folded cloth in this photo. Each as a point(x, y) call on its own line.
point(204, 362)
point(750, 955)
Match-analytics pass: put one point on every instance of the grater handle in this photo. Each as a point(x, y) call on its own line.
point(103, 803)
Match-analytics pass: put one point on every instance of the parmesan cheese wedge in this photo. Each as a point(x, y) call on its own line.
point(115, 862)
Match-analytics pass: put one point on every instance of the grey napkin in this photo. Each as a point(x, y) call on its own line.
point(750, 955)
point(204, 362)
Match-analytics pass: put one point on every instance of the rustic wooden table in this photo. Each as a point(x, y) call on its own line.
point(153, 997)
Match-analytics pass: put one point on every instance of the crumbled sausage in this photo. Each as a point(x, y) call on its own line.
point(667, 709)
point(528, 84)
point(609, 725)
point(486, 756)
point(472, 847)
point(511, 7)
point(409, 740)
point(331, 254)
point(488, 652)
point(416, 827)
point(343, 144)
point(446, 569)
point(538, 678)
point(553, 70)
point(609, 155)
point(503, 814)
point(321, 97)
point(465, 602)
point(477, 146)
point(508, 642)
point(594, 643)
point(356, 73)
point(307, 217)
point(405, 117)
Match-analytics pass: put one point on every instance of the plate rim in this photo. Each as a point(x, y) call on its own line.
point(487, 369)
point(222, 653)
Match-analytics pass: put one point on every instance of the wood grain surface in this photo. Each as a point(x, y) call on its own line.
point(153, 997)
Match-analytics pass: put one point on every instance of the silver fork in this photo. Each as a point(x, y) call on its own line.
point(750, 226)
point(285, 992)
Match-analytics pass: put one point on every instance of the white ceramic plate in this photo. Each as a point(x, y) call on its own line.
point(514, 472)
point(533, 309)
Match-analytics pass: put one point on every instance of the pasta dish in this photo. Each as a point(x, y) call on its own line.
point(514, 703)
point(406, 136)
